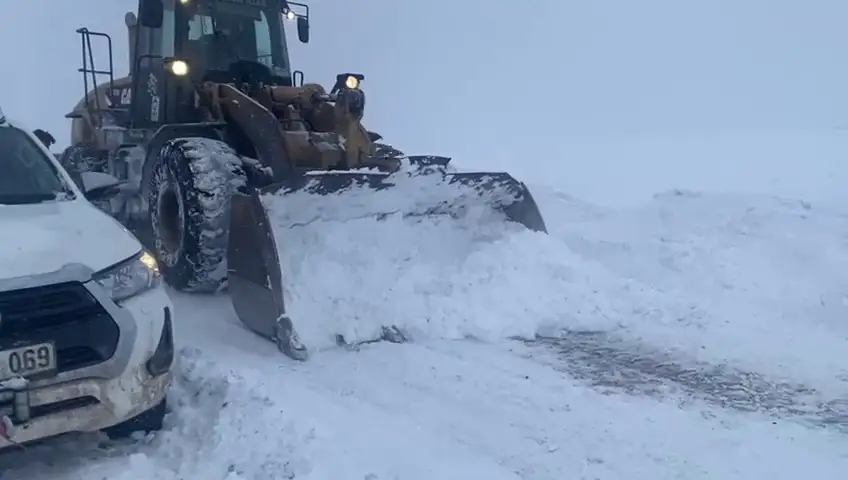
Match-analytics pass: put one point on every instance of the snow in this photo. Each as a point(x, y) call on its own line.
point(45, 237)
point(753, 281)
point(465, 400)
point(436, 410)
point(340, 263)
point(693, 334)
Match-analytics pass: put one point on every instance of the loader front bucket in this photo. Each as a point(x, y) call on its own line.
point(260, 219)
point(498, 190)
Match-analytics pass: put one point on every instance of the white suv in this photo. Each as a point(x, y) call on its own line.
point(86, 338)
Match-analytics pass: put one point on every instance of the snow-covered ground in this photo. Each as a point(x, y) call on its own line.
point(432, 410)
point(752, 279)
point(697, 336)
point(686, 335)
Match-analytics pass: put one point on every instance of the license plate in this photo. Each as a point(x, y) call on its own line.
point(27, 361)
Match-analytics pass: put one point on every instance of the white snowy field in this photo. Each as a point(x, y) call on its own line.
point(748, 281)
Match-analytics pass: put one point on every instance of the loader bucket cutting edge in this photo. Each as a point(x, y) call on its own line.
point(255, 277)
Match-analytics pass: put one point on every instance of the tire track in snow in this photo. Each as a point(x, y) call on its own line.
point(612, 365)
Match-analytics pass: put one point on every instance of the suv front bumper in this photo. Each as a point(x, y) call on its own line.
point(105, 394)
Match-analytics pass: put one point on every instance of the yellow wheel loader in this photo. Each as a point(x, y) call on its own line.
point(211, 120)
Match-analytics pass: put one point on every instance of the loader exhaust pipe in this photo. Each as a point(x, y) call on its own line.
point(132, 33)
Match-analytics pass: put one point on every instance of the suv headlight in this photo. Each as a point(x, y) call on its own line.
point(129, 278)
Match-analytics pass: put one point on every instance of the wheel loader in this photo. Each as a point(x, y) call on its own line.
point(212, 119)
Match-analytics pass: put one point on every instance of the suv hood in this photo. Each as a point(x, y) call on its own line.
point(44, 237)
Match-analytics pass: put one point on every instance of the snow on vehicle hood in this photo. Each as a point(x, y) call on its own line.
point(42, 238)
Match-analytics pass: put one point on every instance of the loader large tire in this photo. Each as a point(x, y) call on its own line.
point(189, 200)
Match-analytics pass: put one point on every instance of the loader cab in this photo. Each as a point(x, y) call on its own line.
point(180, 43)
point(173, 44)
point(213, 36)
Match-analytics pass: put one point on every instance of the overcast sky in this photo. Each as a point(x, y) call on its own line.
point(448, 77)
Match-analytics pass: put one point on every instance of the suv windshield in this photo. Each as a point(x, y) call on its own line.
point(222, 32)
point(26, 174)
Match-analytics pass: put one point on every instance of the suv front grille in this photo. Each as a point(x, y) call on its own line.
point(64, 313)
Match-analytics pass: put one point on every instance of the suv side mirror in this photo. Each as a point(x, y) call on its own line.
point(98, 185)
point(151, 13)
point(303, 29)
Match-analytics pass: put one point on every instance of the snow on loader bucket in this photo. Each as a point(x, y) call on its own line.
point(260, 219)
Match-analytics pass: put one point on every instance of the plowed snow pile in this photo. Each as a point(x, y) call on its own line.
point(349, 271)
point(757, 282)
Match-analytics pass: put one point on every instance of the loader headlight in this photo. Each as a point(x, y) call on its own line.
point(131, 277)
point(352, 82)
point(178, 68)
